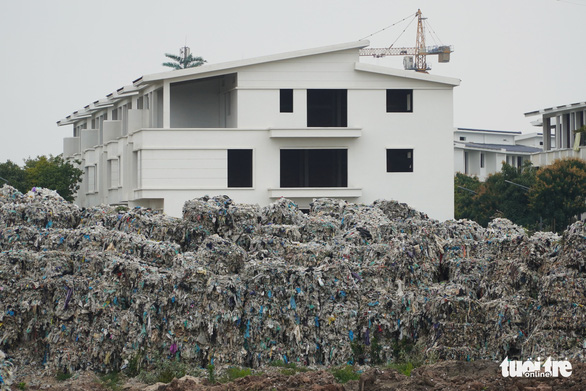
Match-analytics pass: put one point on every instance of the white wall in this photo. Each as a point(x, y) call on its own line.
point(166, 167)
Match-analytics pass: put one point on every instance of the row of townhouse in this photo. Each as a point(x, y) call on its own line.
point(304, 124)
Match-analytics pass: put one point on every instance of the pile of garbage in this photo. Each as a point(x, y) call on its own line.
point(106, 287)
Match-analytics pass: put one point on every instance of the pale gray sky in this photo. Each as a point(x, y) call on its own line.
point(512, 56)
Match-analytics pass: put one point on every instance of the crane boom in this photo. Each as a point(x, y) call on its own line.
point(417, 61)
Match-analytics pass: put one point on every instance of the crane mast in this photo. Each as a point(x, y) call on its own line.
point(420, 57)
point(415, 57)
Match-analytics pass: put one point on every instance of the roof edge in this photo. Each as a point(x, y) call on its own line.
point(252, 61)
point(359, 66)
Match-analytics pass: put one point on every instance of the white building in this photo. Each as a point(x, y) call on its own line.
point(558, 124)
point(305, 124)
point(482, 152)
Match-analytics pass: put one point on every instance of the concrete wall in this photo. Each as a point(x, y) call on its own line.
point(163, 168)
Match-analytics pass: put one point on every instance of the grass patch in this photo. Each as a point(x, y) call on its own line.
point(345, 374)
point(62, 376)
point(234, 373)
point(112, 381)
point(165, 370)
point(21, 385)
point(405, 367)
point(288, 369)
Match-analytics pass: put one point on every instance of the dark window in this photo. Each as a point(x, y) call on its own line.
point(399, 160)
point(286, 101)
point(481, 160)
point(462, 138)
point(114, 115)
point(399, 101)
point(240, 168)
point(314, 168)
point(327, 108)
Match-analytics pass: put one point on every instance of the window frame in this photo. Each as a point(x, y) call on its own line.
point(394, 104)
point(235, 167)
point(400, 167)
point(286, 103)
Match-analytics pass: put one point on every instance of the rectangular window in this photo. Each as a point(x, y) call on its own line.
point(114, 114)
point(327, 108)
point(91, 179)
point(481, 160)
point(139, 103)
point(462, 138)
point(286, 100)
point(239, 167)
point(399, 160)
point(314, 168)
point(114, 173)
point(399, 101)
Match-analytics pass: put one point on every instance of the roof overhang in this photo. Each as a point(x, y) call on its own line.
point(205, 69)
point(558, 110)
point(406, 74)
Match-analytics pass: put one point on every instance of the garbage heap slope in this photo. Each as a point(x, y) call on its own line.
point(103, 287)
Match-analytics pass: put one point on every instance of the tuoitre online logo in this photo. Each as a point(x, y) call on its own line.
point(550, 368)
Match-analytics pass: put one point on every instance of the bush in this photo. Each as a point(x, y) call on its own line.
point(345, 374)
point(234, 373)
point(404, 368)
point(112, 381)
point(164, 370)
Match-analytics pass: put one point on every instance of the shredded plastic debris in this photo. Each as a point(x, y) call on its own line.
point(240, 284)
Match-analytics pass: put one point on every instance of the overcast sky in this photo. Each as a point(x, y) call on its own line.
point(513, 56)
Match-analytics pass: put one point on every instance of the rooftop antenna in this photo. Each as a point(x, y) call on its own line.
point(184, 52)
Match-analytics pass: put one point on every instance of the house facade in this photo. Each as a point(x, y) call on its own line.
point(481, 152)
point(558, 126)
point(301, 125)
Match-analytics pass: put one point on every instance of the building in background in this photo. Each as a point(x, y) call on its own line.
point(559, 125)
point(301, 125)
point(482, 152)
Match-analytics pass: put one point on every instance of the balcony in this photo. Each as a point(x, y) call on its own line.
point(71, 146)
point(315, 192)
point(337, 132)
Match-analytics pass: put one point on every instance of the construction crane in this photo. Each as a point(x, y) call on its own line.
point(415, 57)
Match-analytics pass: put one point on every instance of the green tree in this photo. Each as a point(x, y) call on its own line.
point(503, 194)
point(12, 174)
point(53, 173)
point(559, 193)
point(184, 60)
point(465, 187)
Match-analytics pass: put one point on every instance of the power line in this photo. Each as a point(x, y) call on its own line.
point(405, 18)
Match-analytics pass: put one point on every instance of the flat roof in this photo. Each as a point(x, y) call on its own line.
point(523, 149)
point(550, 111)
point(487, 131)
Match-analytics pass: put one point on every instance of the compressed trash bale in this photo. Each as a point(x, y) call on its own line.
point(395, 210)
point(9, 194)
point(42, 208)
point(154, 225)
point(102, 294)
point(221, 255)
point(319, 227)
point(282, 211)
point(287, 231)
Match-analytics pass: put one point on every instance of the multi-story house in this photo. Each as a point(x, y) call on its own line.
point(301, 125)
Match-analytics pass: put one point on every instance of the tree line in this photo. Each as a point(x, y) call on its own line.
point(546, 198)
point(50, 172)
